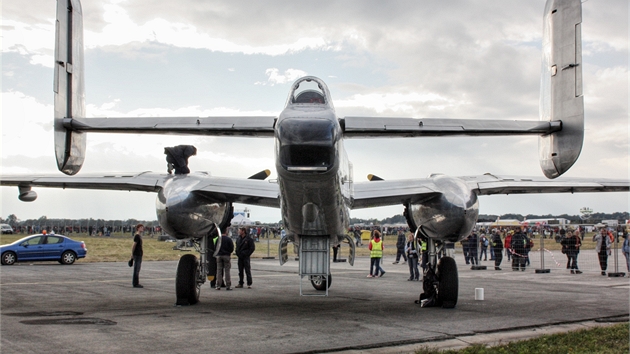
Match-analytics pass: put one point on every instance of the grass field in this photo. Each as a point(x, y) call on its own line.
point(117, 248)
point(599, 340)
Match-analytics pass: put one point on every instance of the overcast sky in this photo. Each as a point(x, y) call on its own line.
point(455, 59)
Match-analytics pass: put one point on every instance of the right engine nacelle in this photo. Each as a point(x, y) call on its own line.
point(449, 216)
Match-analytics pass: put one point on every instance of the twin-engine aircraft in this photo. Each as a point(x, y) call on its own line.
point(315, 187)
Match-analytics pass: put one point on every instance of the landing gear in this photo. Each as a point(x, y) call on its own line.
point(448, 286)
point(321, 283)
point(440, 282)
point(187, 284)
point(192, 272)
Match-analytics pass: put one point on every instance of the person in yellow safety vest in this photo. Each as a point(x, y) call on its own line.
point(411, 248)
point(212, 271)
point(422, 245)
point(376, 254)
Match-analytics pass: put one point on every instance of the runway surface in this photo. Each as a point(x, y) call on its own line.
point(92, 308)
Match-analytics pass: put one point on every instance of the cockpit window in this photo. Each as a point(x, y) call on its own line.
point(308, 91)
point(307, 144)
point(309, 97)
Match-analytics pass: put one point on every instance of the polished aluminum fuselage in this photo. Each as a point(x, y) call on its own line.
point(314, 201)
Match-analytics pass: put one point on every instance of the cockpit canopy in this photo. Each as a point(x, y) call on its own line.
point(309, 90)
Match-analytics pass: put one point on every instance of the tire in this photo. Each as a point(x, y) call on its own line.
point(8, 258)
point(320, 283)
point(68, 257)
point(186, 287)
point(448, 287)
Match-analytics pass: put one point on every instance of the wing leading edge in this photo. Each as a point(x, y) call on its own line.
point(247, 191)
point(384, 192)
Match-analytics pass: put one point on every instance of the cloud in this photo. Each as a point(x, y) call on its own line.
point(275, 77)
point(456, 59)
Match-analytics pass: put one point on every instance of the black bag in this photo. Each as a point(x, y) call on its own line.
point(130, 263)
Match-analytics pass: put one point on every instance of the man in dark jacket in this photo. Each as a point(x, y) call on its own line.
point(472, 249)
point(520, 246)
point(244, 248)
point(223, 262)
point(497, 245)
point(400, 247)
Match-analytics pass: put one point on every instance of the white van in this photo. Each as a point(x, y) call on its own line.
point(6, 229)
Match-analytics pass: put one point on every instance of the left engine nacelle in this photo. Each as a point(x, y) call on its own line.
point(186, 213)
point(448, 216)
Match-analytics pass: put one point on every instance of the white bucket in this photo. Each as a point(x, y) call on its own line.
point(479, 294)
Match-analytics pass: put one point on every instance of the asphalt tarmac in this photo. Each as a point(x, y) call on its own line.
point(92, 308)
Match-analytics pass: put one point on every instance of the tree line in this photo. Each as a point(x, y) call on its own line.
point(575, 219)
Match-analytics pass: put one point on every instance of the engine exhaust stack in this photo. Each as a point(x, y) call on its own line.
point(69, 85)
point(561, 96)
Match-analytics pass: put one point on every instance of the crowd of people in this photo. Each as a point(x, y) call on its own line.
point(517, 243)
point(480, 245)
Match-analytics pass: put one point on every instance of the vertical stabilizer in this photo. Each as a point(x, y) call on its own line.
point(561, 97)
point(69, 86)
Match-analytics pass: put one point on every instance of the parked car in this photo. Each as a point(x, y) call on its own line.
point(43, 247)
point(6, 229)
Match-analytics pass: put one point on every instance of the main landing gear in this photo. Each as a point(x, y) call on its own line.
point(440, 283)
point(192, 271)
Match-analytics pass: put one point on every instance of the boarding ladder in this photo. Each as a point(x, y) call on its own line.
point(314, 255)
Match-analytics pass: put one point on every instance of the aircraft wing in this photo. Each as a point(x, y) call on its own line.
point(362, 127)
point(238, 126)
point(146, 181)
point(386, 192)
point(247, 191)
point(489, 184)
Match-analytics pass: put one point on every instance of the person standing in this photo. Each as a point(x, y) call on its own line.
point(625, 249)
point(223, 262)
point(212, 272)
point(472, 250)
point(335, 249)
point(519, 246)
point(245, 246)
point(136, 256)
point(465, 249)
point(411, 249)
point(484, 243)
point(357, 237)
point(572, 244)
point(497, 245)
point(422, 245)
point(602, 248)
point(508, 244)
point(376, 248)
point(400, 248)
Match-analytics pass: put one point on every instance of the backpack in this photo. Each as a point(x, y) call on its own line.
point(485, 242)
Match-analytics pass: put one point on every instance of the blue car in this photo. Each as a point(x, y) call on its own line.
point(43, 247)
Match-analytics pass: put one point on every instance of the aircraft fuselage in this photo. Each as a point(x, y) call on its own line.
point(313, 169)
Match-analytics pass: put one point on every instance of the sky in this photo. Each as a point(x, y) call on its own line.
point(422, 59)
